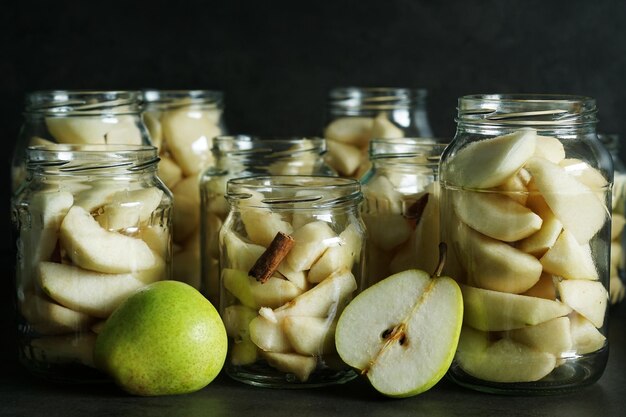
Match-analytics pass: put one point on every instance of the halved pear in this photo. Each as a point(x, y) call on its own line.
point(94, 130)
point(575, 204)
point(313, 336)
point(490, 162)
point(355, 131)
point(300, 365)
point(50, 318)
point(549, 148)
point(495, 215)
point(311, 240)
point(402, 332)
point(494, 311)
point(589, 298)
point(65, 349)
point(269, 336)
point(94, 293)
point(585, 337)
point(129, 208)
point(501, 361)
point(553, 336)
point(569, 259)
point(90, 246)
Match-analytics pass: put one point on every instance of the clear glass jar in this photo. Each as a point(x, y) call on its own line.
point(526, 214)
point(618, 257)
point(401, 206)
point(244, 156)
point(290, 261)
point(182, 124)
point(358, 114)
point(78, 117)
point(92, 225)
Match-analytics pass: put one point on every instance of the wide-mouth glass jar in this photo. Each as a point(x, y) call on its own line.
point(355, 115)
point(401, 206)
point(92, 225)
point(244, 156)
point(526, 213)
point(291, 258)
point(78, 117)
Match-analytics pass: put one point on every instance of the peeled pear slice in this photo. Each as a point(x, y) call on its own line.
point(243, 353)
point(262, 225)
point(585, 337)
point(269, 336)
point(495, 215)
point(93, 293)
point(237, 320)
point(336, 257)
point(386, 230)
point(240, 254)
point(311, 240)
point(516, 186)
point(94, 130)
point(157, 238)
point(584, 173)
point(489, 162)
point(151, 120)
point(383, 128)
point(553, 336)
point(346, 159)
point(91, 247)
point(272, 293)
point(501, 361)
point(129, 208)
point(355, 131)
point(575, 205)
point(50, 318)
point(539, 242)
point(313, 336)
point(169, 172)
point(569, 259)
point(65, 349)
point(495, 265)
point(589, 298)
point(495, 311)
point(544, 288)
point(299, 365)
point(549, 148)
point(617, 225)
point(382, 197)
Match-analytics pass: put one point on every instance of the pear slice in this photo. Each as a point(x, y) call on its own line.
point(90, 246)
point(313, 336)
point(539, 242)
point(297, 278)
point(516, 186)
point(272, 293)
point(93, 293)
point(495, 265)
point(355, 131)
point(169, 172)
point(336, 257)
point(585, 337)
point(490, 162)
point(382, 197)
point(237, 282)
point(589, 298)
point(495, 215)
point(97, 194)
point(503, 361)
point(157, 238)
point(311, 240)
point(494, 311)
point(549, 148)
point(584, 173)
point(544, 288)
point(243, 353)
point(94, 130)
point(324, 300)
point(262, 225)
point(617, 225)
point(383, 128)
point(238, 253)
point(386, 231)
point(50, 318)
point(65, 349)
point(568, 259)
point(402, 332)
point(573, 203)
point(553, 336)
point(237, 320)
point(268, 336)
point(345, 159)
point(299, 365)
point(129, 208)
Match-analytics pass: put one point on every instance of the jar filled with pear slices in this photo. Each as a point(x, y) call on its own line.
point(243, 156)
point(526, 212)
point(92, 225)
point(355, 115)
point(182, 124)
point(76, 117)
point(291, 252)
point(401, 206)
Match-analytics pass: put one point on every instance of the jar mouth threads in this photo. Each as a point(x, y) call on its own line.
point(171, 99)
point(269, 147)
point(82, 102)
point(407, 150)
point(526, 109)
point(353, 100)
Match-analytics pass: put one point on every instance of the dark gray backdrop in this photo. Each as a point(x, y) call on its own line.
point(276, 60)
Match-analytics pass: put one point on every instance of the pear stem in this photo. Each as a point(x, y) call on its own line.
point(443, 249)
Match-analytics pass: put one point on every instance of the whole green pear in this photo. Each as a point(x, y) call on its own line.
point(165, 339)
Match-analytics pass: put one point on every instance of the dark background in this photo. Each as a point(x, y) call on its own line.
point(276, 60)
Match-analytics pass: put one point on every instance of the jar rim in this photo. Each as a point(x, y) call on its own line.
point(180, 97)
point(64, 102)
point(407, 149)
point(242, 145)
point(351, 98)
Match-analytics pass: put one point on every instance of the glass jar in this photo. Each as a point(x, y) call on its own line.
point(401, 206)
point(92, 225)
point(356, 115)
point(290, 261)
point(78, 117)
point(244, 156)
point(618, 261)
point(526, 214)
point(182, 124)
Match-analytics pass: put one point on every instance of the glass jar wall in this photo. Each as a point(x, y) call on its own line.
point(92, 225)
point(401, 206)
point(290, 261)
point(244, 156)
point(526, 213)
point(78, 117)
point(358, 114)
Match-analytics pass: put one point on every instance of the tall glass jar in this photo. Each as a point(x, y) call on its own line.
point(78, 117)
point(290, 261)
point(92, 225)
point(401, 206)
point(358, 114)
point(244, 156)
point(526, 213)
point(618, 220)
point(182, 124)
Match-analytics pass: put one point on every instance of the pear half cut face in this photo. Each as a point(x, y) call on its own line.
point(402, 332)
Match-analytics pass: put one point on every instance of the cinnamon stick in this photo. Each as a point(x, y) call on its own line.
point(268, 262)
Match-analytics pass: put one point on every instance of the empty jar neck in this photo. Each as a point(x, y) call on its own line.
point(173, 99)
point(82, 103)
point(405, 153)
point(354, 101)
point(546, 113)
